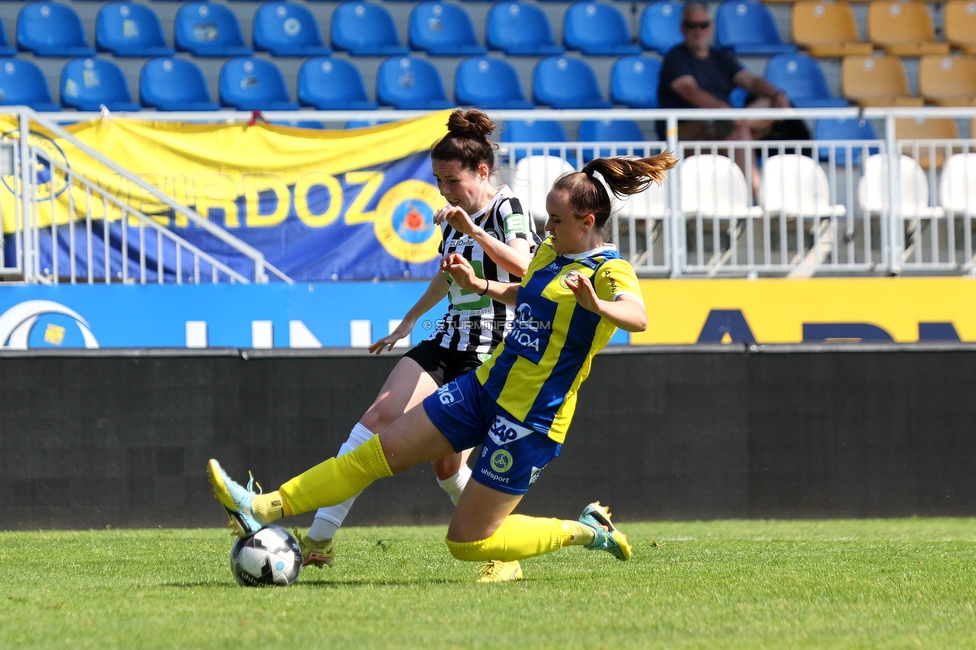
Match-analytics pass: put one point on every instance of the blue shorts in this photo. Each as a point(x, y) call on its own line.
point(512, 455)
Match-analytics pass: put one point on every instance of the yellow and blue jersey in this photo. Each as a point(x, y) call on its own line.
point(535, 373)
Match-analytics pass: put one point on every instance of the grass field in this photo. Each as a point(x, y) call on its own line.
point(742, 584)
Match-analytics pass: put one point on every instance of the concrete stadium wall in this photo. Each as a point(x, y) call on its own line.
point(90, 439)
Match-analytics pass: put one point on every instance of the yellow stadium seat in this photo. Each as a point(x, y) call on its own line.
point(827, 29)
point(960, 24)
point(926, 132)
point(948, 80)
point(876, 81)
point(903, 28)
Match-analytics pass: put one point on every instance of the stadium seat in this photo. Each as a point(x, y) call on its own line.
point(948, 80)
point(533, 178)
point(172, 84)
point(803, 81)
point(332, 84)
point(548, 131)
point(844, 132)
point(23, 84)
point(795, 186)
point(563, 82)
point(957, 188)
point(660, 26)
point(520, 29)
point(876, 81)
point(633, 81)
point(903, 28)
point(614, 131)
point(250, 84)
point(409, 83)
point(926, 133)
point(365, 29)
point(287, 29)
point(714, 187)
point(5, 48)
point(652, 203)
point(51, 29)
point(827, 29)
point(748, 28)
point(87, 84)
point(130, 29)
point(209, 29)
point(489, 83)
point(442, 29)
point(960, 25)
point(912, 190)
point(597, 29)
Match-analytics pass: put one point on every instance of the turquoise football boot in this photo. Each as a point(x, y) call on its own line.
point(237, 500)
point(606, 537)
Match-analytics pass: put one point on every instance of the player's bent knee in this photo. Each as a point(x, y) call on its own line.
point(470, 551)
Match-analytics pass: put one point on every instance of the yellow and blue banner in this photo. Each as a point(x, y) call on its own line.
point(899, 310)
point(321, 205)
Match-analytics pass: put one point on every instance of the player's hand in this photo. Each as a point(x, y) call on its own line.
point(462, 272)
point(583, 289)
point(456, 218)
point(387, 342)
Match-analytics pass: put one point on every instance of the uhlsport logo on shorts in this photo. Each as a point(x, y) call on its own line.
point(501, 461)
point(449, 394)
point(504, 431)
point(17, 322)
point(404, 222)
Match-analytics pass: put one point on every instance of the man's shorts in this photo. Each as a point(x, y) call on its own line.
point(705, 129)
point(441, 363)
point(512, 455)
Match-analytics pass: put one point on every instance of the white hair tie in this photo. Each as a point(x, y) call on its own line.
point(615, 203)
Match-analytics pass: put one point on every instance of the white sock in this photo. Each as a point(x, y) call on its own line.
point(328, 520)
point(454, 485)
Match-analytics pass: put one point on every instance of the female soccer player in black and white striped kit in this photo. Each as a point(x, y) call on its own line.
point(487, 226)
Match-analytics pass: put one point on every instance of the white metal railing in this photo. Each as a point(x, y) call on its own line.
point(68, 228)
point(858, 209)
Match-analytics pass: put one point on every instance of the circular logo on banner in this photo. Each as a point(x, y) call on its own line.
point(51, 179)
point(501, 461)
point(404, 222)
point(17, 322)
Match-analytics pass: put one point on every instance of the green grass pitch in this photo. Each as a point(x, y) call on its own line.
point(736, 584)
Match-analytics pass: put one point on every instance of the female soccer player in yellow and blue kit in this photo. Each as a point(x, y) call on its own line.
point(519, 404)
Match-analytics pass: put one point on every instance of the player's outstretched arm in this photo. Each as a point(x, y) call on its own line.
point(514, 256)
point(434, 293)
point(464, 274)
point(624, 312)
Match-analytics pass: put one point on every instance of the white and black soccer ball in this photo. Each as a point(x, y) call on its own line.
point(269, 557)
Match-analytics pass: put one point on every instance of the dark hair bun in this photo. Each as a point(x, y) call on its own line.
point(472, 124)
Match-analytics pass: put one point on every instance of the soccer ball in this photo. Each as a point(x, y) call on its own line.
point(270, 556)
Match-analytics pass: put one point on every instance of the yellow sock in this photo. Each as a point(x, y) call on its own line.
point(269, 507)
point(337, 479)
point(576, 534)
point(517, 538)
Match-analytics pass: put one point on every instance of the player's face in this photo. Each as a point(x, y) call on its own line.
point(460, 186)
point(570, 234)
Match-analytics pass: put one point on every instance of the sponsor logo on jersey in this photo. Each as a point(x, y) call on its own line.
point(449, 394)
point(501, 461)
point(504, 431)
point(404, 222)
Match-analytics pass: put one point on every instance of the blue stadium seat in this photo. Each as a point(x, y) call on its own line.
point(748, 28)
point(489, 83)
point(803, 81)
point(287, 29)
point(51, 29)
point(88, 83)
point(130, 29)
point(250, 84)
point(171, 84)
point(633, 81)
point(442, 29)
point(535, 131)
point(610, 131)
point(23, 84)
point(597, 29)
point(563, 82)
point(365, 29)
point(209, 29)
point(520, 29)
point(844, 129)
point(660, 26)
point(329, 84)
point(410, 83)
point(5, 48)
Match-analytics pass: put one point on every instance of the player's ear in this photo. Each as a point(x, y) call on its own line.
point(483, 172)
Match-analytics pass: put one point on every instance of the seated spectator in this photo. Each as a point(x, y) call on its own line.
point(695, 75)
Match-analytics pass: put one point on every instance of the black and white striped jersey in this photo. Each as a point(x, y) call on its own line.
point(476, 323)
